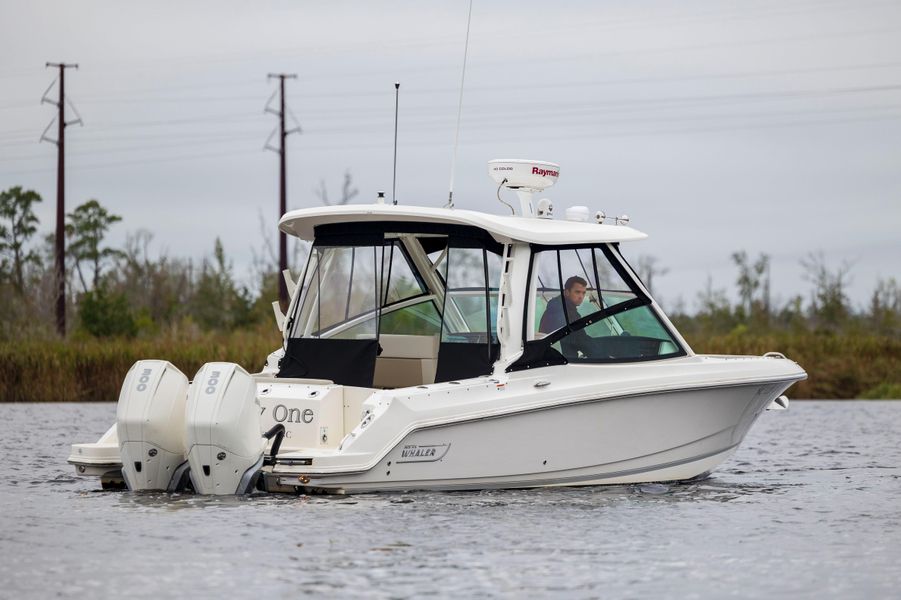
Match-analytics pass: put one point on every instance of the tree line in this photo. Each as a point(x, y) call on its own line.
point(826, 309)
point(116, 291)
point(126, 292)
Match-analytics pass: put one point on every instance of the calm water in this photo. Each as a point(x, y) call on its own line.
point(809, 507)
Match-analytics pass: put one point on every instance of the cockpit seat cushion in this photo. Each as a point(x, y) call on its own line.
point(406, 360)
point(408, 346)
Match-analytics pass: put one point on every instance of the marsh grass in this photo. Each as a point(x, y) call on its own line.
point(846, 366)
point(90, 369)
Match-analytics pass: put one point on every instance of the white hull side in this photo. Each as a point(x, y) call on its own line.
point(651, 437)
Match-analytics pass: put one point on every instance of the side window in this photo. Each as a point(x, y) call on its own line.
point(400, 281)
point(470, 316)
point(419, 319)
point(345, 287)
point(613, 289)
point(547, 289)
point(340, 286)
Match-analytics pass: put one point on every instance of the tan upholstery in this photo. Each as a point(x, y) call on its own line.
point(406, 360)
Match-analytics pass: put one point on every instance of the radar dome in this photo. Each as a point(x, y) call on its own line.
point(516, 174)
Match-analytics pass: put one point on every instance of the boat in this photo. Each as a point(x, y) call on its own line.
point(431, 348)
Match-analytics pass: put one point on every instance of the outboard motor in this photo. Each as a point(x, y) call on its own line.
point(150, 421)
point(222, 424)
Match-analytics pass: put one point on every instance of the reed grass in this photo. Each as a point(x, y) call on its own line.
point(90, 369)
point(846, 366)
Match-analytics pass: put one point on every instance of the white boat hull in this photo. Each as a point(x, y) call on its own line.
point(675, 435)
point(558, 426)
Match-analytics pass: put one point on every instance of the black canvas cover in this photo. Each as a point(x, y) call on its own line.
point(458, 360)
point(465, 354)
point(371, 233)
point(537, 354)
point(346, 362)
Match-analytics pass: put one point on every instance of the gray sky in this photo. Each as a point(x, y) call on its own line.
point(768, 126)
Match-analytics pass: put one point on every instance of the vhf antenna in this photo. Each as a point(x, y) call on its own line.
point(450, 195)
point(394, 180)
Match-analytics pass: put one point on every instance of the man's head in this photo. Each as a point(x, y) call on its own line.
point(574, 289)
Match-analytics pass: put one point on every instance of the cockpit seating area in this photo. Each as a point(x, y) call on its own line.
point(406, 360)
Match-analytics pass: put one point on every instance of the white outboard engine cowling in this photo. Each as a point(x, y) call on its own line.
point(222, 424)
point(150, 421)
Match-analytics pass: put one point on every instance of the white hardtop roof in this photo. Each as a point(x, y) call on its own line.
point(503, 228)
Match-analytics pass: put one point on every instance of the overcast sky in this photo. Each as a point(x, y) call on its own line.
point(769, 126)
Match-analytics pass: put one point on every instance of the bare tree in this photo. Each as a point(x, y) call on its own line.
point(648, 270)
point(348, 192)
point(885, 306)
point(264, 262)
point(829, 301)
point(753, 277)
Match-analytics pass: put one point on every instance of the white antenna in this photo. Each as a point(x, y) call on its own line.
point(450, 195)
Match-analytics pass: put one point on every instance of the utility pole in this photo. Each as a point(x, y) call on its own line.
point(60, 191)
point(283, 202)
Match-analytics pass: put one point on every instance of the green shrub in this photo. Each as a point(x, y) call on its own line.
point(104, 314)
point(883, 391)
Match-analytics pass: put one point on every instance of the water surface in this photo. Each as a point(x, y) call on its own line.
point(809, 507)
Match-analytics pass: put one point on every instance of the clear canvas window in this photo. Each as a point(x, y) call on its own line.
point(400, 282)
point(589, 310)
point(346, 286)
point(342, 283)
point(472, 276)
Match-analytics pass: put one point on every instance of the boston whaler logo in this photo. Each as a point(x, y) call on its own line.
point(416, 453)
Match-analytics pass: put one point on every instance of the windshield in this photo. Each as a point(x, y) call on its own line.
point(585, 307)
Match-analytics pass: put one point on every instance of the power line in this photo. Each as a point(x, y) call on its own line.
point(642, 20)
point(600, 136)
point(144, 97)
point(611, 25)
point(168, 158)
point(485, 111)
point(114, 149)
point(551, 119)
point(561, 85)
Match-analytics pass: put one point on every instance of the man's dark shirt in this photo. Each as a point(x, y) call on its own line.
point(553, 319)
